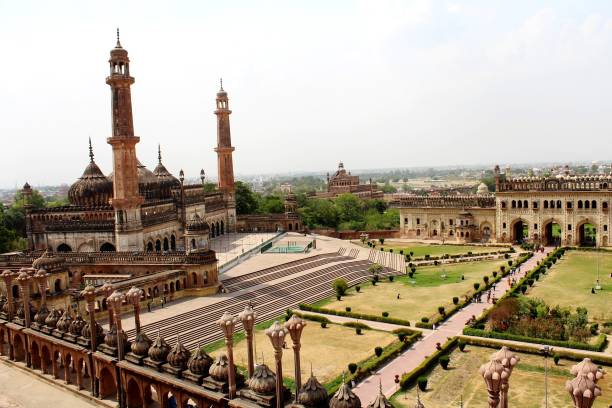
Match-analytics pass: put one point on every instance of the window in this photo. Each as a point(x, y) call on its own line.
point(579, 204)
point(593, 204)
point(559, 204)
point(520, 204)
point(418, 221)
point(503, 204)
point(535, 226)
point(569, 227)
point(513, 203)
point(569, 205)
point(525, 204)
point(450, 222)
point(606, 227)
point(504, 225)
point(587, 204)
point(405, 220)
point(604, 205)
point(535, 204)
point(545, 203)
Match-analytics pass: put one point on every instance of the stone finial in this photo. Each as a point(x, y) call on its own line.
point(276, 333)
point(227, 323)
point(134, 295)
point(494, 374)
point(295, 325)
point(589, 368)
point(247, 317)
point(583, 391)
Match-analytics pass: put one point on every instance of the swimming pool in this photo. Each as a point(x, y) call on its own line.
point(290, 249)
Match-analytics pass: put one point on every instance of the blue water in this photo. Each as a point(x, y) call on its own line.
point(286, 249)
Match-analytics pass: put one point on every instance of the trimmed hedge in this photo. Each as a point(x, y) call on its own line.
point(362, 316)
point(410, 378)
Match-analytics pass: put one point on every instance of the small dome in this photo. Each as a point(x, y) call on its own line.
point(179, 355)
point(92, 188)
point(86, 332)
point(344, 398)
point(41, 315)
point(111, 339)
point(263, 380)
point(159, 350)
point(313, 394)
point(167, 182)
point(141, 344)
point(220, 368)
point(483, 189)
point(48, 261)
point(380, 402)
point(148, 185)
point(76, 327)
point(63, 324)
point(52, 318)
point(200, 362)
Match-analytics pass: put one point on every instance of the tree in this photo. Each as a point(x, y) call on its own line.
point(210, 187)
point(349, 207)
point(246, 201)
point(340, 286)
point(388, 189)
point(7, 239)
point(270, 204)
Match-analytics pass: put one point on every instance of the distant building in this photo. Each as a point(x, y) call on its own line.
point(342, 182)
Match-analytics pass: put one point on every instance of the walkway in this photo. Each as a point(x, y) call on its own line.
point(409, 360)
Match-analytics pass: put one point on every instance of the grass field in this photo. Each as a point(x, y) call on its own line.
point(328, 350)
point(420, 250)
point(570, 280)
point(445, 388)
point(419, 296)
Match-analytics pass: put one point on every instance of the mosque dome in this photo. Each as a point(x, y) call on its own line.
point(141, 344)
point(200, 362)
point(220, 368)
point(483, 189)
point(93, 188)
point(159, 350)
point(179, 356)
point(263, 380)
point(344, 398)
point(313, 394)
point(148, 184)
point(167, 182)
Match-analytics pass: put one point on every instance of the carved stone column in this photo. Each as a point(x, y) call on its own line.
point(277, 334)
point(583, 390)
point(508, 360)
point(227, 323)
point(24, 282)
point(248, 317)
point(7, 277)
point(133, 296)
point(41, 281)
point(294, 326)
point(89, 293)
point(115, 301)
point(106, 290)
point(493, 373)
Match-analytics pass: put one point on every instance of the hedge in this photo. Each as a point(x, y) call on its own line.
point(362, 316)
point(371, 364)
point(408, 379)
point(598, 346)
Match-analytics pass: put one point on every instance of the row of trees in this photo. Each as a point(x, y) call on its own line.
point(250, 202)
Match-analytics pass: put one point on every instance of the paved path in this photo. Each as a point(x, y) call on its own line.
point(410, 359)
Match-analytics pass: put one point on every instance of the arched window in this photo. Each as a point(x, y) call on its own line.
point(579, 204)
point(107, 247)
point(593, 204)
point(64, 248)
point(525, 204)
point(559, 205)
point(166, 244)
point(604, 205)
point(587, 204)
point(545, 203)
point(173, 242)
point(435, 232)
point(569, 205)
point(193, 244)
point(222, 227)
point(150, 247)
point(520, 204)
point(503, 204)
point(513, 203)
point(290, 227)
point(158, 245)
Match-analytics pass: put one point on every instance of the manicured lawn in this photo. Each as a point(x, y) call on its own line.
point(328, 350)
point(420, 250)
point(570, 280)
point(419, 296)
point(445, 388)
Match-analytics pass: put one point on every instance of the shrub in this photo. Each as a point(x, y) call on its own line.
point(401, 252)
point(444, 360)
point(381, 240)
point(594, 328)
point(323, 325)
point(422, 382)
point(441, 310)
point(495, 274)
point(506, 256)
point(411, 253)
point(461, 345)
point(524, 289)
point(378, 351)
point(401, 336)
point(510, 262)
point(556, 359)
point(357, 325)
point(385, 314)
point(455, 300)
point(413, 269)
point(411, 274)
point(348, 308)
point(391, 278)
point(427, 256)
point(352, 368)
point(338, 297)
point(485, 279)
point(340, 286)
point(502, 268)
point(373, 282)
point(476, 286)
point(530, 282)
point(357, 288)
point(436, 263)
point(425, 319)
point(358, 331)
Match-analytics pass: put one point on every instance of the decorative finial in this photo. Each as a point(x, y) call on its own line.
point(221, 81)
point(91, 155)
point(159, 153)
point(118, 43)
point(380, 384)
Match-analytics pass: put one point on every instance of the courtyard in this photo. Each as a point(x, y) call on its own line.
point(327, 350)
point(419, 296)
point(462, 382)
point(570, 280)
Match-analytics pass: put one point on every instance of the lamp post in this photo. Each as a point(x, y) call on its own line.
point(277, 334)
point(493, 373)
point(295, 326)
point(546, 351)
point(248, 316)
point(507, 359)
point(202, 176)
point(227, 323)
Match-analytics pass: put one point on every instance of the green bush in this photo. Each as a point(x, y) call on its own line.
point(455, 300)
point(391, 277)
point(444, 361)
point(476, 286)
point(441, 310)
point(524, 289)
point(530, 282)
point(413, 269)
point(422, 382)
point(358, 331)
point(461, 345)
point(348, 308)
point(556, 359)
point(356, 325)
point(378, 351)
point(425, 319)
point(385, 314)
point(495, 274)
point(352, 368)
point(340, 286)
point(363, 316)
point(401, 336)
point(323, 325)
point(357, 288)
point(485, 279)
point(411, 274)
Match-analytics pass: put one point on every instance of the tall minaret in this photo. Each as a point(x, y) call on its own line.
point(126, 200)
point(225, 164)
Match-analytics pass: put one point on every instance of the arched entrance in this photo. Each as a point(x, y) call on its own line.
point(520, 231)
point(35, 353)
point(552, 234)
point(107, 247)
point(150, 247)
point(158, 245)
point(222, 228)
point(64, 248)
point(19, 348)
point(134, 398)
point(588, 235)
point(45, 360)
point(166, 244)
point(108, 388)
point(57, 286)
point(172, 242)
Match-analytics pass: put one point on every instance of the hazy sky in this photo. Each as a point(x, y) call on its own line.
point(373, 83)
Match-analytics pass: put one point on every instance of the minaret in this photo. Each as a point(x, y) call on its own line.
point(224, 149)
point(126, 200)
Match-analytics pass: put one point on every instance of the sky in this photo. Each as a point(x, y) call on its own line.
point(381, 83)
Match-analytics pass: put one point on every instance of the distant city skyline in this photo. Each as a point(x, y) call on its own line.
point(376, 84)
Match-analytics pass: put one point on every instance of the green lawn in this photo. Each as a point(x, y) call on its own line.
point(446, 388)
point(420, 250)
point(570, 280)
point(419, 296)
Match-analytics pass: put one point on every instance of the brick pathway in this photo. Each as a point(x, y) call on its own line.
point(410, 359)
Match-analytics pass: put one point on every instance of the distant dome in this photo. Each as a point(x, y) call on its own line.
point(148, 184)
point(93, 188)
point(483, 189)
point(167, 182)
